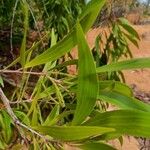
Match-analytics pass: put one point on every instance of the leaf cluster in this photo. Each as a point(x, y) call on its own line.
point(60, 109)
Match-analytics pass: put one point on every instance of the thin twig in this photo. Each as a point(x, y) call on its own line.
point(19, 71)
point(15, 119)
point(24, 72)
point(10, 112)
point(7, 105)
point(19, 102)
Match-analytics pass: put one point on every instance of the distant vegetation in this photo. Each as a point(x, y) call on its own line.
point(42, 105)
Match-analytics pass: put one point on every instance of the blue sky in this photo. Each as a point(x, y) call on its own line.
point(142, 0)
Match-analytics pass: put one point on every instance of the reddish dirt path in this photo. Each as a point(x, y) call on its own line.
point(139, 77)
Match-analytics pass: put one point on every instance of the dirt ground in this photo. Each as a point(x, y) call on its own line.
point(139, 77)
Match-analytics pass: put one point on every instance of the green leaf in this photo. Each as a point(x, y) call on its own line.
point(109, 136)
point(17, 147)
point(86, 19)
point(72, 133)
point(96, 146)
point(48, 91)
point(6, 126)
point(132, 39)
point(60, 117)
point(55, 51)
point(53, 114)
point(66, 63)
point(53, 38)
point(87, 80)
point(28, 51)
point(2, 145)
point(36, 144)
point(1, 81)
point(126, 25)
point(35, 114)
point(123, 101)
point(23, 117)
point(126, 65)
point(116, 86)
point(58, 94)
point(120, 95)
point(126, 122)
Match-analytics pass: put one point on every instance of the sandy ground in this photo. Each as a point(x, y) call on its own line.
point(139, 77)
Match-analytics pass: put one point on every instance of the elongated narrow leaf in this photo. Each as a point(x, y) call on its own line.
point(27, 51)
point(1, 81)
point(66, 63)
point(46, 68)
point(107, 86)
point(123, 101)
point(53, 38)
point(126, 25)
point(59, 94)
point(126, 65)
point(91, 6)
point(132, 39)
point(5, 123)
point(54, 113)
point(48, 91)
point(3, 145)
point(128, 122)
point(55, 52)
point(96, 146)
point(87, 19)
point(71, 133)
point(23, 117)
point(87, 80)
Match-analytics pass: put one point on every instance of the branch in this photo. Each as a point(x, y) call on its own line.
point(34, 73)
point(15, 119)
point(24, 72)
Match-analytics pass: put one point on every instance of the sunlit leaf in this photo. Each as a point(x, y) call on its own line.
point(17, 147)
point(23, 117)
point(36, 144)
point(54, 113)
point(53, 38)
point(71, 133)
point(58, 94)
point(87, 18)
point(126, 65)
point(87, 80)
point(1, 81)
point(126, 25)
point(96, 146)
point(30, 50)
point(123, 101)
point(108, 86)
point(132, 39)
point(6, 126)
point(126, 122)
point(3, 145)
